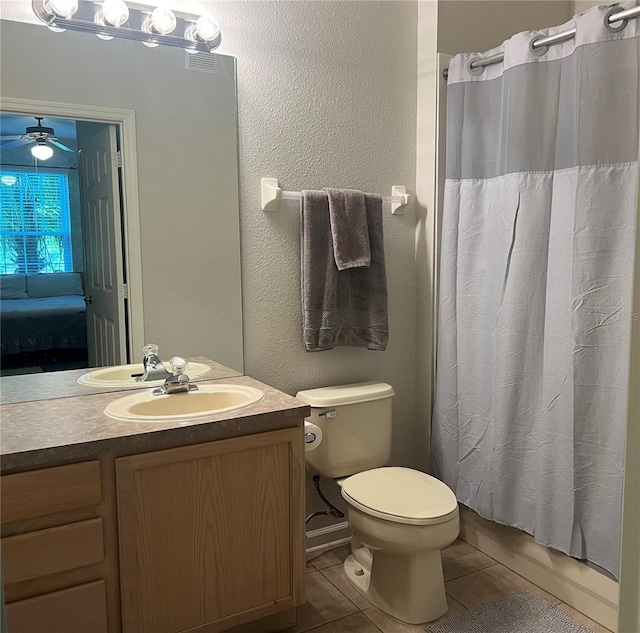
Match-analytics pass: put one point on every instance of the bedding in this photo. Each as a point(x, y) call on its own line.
point(53, 315)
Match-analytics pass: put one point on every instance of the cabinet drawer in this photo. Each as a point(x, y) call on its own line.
point(40, 492)
point(81, 609)
point(51, 551)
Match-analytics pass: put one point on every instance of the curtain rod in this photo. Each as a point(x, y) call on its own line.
point(614, 15)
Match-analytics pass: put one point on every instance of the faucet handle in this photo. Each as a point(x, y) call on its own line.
point(178, 365)
point(149, 350)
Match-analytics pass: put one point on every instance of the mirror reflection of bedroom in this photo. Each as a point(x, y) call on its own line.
point(58, 226)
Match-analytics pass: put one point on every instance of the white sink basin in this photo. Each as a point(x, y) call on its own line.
point(207, 400)
point(120, 376)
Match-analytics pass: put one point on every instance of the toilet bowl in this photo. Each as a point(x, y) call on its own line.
point(400, 520)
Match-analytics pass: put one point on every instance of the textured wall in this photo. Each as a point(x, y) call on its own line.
point(327, 97)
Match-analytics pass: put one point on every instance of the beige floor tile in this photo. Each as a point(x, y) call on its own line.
point(356, 623)
point(336, 575)
point(387, 624)
point(489, 585)
point(324, 604)
point(329, 557)
point(460, 559)
point(583, 619)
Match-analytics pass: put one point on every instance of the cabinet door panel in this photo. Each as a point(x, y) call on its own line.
point(205, 531)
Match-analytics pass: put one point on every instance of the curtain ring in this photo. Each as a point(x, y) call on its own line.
point(538, 51)
point(475, 70)
point(612, 11)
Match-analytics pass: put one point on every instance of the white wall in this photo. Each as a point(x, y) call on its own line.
point(582, 5)
point(327, 97)
point(479, 25)
point(426, 157)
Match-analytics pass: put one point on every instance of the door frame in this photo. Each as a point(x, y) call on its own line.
point(125, 120)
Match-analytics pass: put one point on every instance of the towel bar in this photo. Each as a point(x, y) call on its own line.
point(272, 194)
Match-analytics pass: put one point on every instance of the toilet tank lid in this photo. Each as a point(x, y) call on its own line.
point(346, 394)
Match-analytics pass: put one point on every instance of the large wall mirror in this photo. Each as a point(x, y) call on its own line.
point(167, 220)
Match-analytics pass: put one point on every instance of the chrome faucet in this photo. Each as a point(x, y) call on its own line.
point(153, 367)
point(178, 381)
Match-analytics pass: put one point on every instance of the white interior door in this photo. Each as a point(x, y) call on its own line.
point(105, 291)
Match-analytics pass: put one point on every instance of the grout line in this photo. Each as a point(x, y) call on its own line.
point(468, 573)
point(371, 621)
point(358, 610)
point(344, 617)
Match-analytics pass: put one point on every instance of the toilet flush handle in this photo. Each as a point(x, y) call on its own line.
point(332, 413)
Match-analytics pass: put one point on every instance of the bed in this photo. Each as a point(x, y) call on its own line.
point(42, 312)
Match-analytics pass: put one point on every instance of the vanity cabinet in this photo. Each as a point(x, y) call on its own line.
point(199, 538)
point(211, 534)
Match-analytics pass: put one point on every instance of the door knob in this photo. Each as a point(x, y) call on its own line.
point(89, 300)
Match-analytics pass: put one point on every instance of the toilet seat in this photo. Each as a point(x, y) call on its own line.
point(401, 495)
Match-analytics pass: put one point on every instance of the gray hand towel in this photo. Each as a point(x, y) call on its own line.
point(341, 307)
point(349, 230)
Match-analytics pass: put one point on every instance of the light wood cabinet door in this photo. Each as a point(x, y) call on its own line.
point(211, 534)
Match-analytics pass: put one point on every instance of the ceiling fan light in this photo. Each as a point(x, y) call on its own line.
point(41, 150)
point(115, 12)
point(62, 8)
point(8, 180)
point(163, 21)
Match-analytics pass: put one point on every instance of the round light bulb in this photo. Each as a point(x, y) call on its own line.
point(163, 20)
point(99, 19)
point(207, 28)
point(115, 12)
point(42, 151)
point(146, 28)
point(8, 180)
point(62, 8)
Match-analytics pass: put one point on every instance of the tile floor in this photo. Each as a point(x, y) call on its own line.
point(471, 578)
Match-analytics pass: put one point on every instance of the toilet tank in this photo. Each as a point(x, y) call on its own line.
point(355, 421)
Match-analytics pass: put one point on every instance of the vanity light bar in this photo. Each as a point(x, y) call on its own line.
point(87, 20)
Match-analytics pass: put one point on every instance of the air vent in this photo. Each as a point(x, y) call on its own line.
point(202, 62)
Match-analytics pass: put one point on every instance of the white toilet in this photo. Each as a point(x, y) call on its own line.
point(400, 518)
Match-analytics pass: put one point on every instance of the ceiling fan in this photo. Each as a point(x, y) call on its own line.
point(42, 136)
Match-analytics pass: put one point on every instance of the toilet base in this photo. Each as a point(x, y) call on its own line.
point(409, 588)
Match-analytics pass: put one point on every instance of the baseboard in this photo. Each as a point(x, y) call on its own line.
point(579, 586)
point(327, 537)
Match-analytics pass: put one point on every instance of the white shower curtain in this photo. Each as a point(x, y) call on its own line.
point(535, 288)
